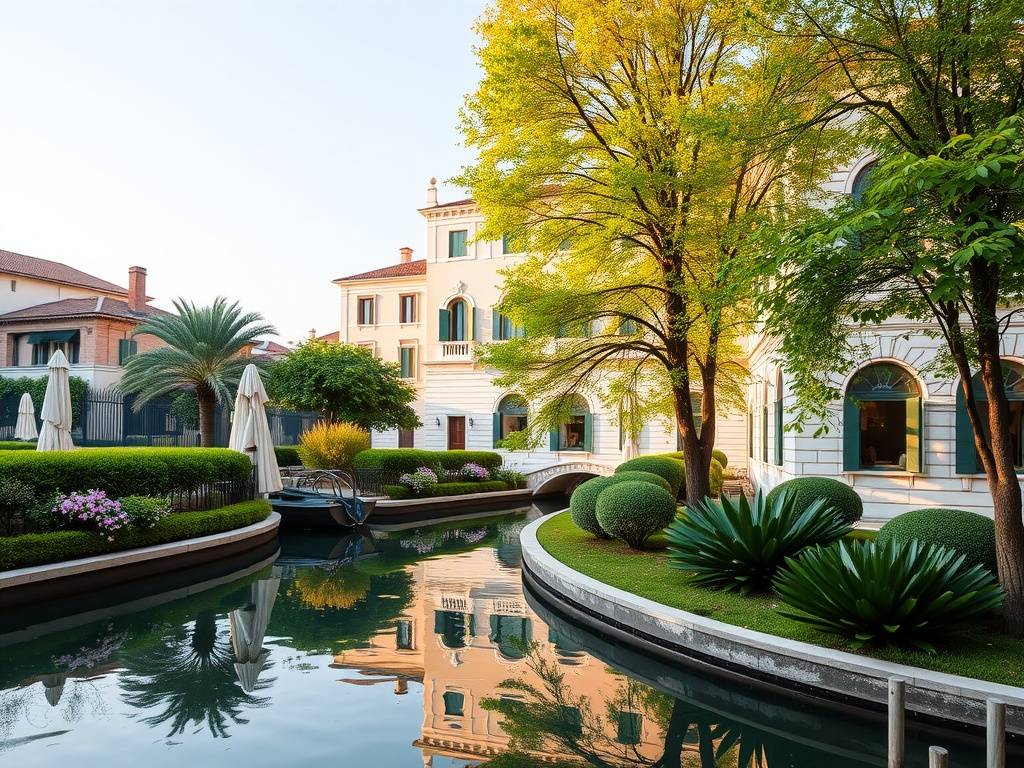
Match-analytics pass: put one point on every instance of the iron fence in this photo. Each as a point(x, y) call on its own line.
point(219, 493)
point(371, 482)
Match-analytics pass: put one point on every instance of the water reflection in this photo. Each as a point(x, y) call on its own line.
point(414, 648)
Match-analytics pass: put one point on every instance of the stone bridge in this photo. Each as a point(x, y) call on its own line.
point(562, 478)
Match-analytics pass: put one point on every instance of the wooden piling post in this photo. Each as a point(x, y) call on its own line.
point(897, 717)
point(938, 757)
point(995, 734)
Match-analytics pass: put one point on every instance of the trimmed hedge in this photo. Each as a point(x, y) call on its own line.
point(643, 477)
point(448, 489)
point(720, 457)
point(968, 533)
point(287, 455)
point(58, 546)
point(411, 459)
point(671, 469)
point(634, 510)
point(16, 445)
point(583, 503)
point(838, 495)
point(124, 471)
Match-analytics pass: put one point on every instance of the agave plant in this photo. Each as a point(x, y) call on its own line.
point(895, 592)
point(739, 546)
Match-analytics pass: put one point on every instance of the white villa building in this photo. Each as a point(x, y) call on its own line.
point(899, 436)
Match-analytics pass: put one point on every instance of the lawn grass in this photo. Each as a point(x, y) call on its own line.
point(982, 652)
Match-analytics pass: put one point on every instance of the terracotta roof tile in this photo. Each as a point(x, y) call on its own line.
point(42, 269)
point(407, 269)
point(93, 306)
point(333, 337)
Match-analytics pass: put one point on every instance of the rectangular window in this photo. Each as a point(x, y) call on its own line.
point(365, 311)
point(40, 354)
point(126, 348)
point(630, 724)
point(407, 308)
point(403, 635)
point(407, 362)
point(406, 438)
point(457, 243)
point(14, 285)
point(572, 433)
point(506, 246)
point(454, 703)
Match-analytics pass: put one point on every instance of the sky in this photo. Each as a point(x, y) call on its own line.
point(255, 150)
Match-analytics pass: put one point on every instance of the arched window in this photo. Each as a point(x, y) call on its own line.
point(764, 424)
point(882, 420)
point(510, 417)
point(577, 432)
point(456, 321)
point(861, 181)
point(778, 416)
point(512, 635)
point(454, 628)
point(967, 460)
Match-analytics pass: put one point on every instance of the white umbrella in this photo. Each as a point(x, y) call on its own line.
point(56, 412)
point(250, 432)
point(25, 428)
point(248, 628)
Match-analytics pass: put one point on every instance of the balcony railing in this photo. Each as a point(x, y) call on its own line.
point(456, 350)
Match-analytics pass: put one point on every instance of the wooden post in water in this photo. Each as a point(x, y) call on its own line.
point(897, 716)
point(938, 757)
point(995, 734)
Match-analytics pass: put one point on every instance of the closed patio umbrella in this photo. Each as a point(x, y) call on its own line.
point(248, 628)
point(250, 432)
point(25, 427)
point(56, 411)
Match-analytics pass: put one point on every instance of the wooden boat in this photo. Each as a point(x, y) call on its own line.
point(312, 505)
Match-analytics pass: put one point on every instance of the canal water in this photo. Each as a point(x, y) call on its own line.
point(413, 648)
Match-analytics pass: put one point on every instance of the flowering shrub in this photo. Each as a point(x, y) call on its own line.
point(473, 472)
point(420, 481)
point(91, 510)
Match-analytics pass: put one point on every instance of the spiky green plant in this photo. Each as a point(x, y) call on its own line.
point(204, 351)
point(901, 592)
point(739, 546)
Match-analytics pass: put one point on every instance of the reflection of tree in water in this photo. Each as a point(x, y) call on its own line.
point(328, 586)
point(549, 719)
point(191, 675)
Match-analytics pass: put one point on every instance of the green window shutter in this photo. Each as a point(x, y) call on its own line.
point(457, 244)
point(851, 434)
point(495, 324)
point(764, 434)
point(554, 440)
point(471, 330)
point(915, 434)
point(966, 454)
point(496, 430)
point(405, 362)
point(126, 348)
point(750, 434)
point(505, 245)
point(588, 433)
point(778, 432)
point(444, 322)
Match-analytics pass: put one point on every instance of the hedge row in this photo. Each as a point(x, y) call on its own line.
point(287, 455)
point(448, 489)
point(58, 546)
point(124, 471)
point(16, 445)
point(411, 459)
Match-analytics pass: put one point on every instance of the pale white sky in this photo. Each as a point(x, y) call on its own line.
point(252, 149)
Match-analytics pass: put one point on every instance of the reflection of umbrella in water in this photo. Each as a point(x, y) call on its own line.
point(248, 627)
point(25, 426)
point(53, 687)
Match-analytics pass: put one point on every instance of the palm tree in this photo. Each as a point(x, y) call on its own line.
point(204, 351)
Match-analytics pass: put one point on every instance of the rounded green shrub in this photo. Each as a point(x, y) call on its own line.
point(720, 457)
point(643, 477)
point(673, 470)
point(837, 495)
point(968, 533)
point(716, 476)
point(633, 510)
point(583, 504)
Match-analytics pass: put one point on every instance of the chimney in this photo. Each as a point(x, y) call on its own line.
point(432, 192)
point(406, 252)
point(137, 289)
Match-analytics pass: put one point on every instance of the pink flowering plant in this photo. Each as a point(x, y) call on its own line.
point(473, 471)
point(91, 510)
point(420, 481)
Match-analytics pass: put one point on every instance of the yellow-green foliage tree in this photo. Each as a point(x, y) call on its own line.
point(631, 148)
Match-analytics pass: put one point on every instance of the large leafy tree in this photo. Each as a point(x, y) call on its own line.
point(205, 350)
point(345, 383)
point(936, 90)
point(632, 148)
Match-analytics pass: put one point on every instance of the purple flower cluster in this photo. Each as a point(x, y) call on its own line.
point(423, 479)
point(92, 510)
point(474, 472)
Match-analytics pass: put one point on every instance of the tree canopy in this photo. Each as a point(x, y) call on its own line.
point(345, 383)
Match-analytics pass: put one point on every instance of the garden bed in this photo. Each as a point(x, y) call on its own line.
point(982, 652)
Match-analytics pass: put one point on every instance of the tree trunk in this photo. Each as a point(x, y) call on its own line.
point(207, 405)
point(698, 466)
point(675, 735)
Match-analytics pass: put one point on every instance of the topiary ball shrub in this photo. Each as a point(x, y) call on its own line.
point(583, 504)
point(837, 495)
point(673, 470)
point(633, 510)
point(716, 476)
point(644, 477)
point(720, 457)
point(968, 533)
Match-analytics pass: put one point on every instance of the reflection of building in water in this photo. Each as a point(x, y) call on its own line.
point(465, 633)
